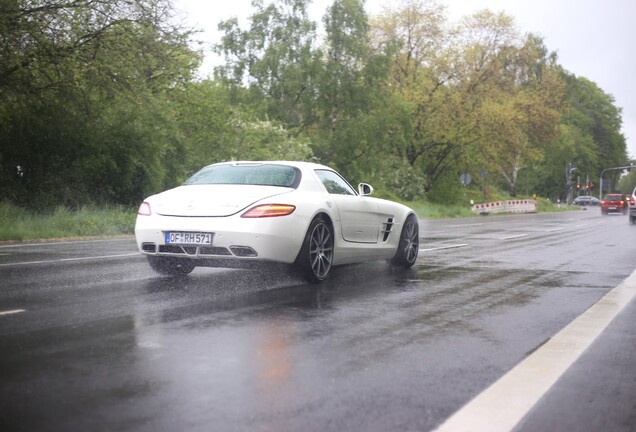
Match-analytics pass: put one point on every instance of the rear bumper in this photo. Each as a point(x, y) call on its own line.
point(616, 209)
point(235, 241)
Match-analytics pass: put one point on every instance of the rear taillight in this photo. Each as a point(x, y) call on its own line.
point(144, 209)
point(269, 210)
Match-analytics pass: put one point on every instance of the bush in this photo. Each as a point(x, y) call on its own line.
point(405, 182)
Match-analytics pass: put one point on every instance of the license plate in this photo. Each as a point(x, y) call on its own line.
point(189, 238)
point(612, 208)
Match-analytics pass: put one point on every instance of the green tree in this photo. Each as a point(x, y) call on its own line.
point(83, 87)
point(213, 129)
point(589, 138)
point(351, 92)
point(275, 58)
point(594, 113)
point(477, 95)
point(422, 135)
point(265, 140)
point(519, 117)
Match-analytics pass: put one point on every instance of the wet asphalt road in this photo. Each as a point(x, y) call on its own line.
point(96, 341)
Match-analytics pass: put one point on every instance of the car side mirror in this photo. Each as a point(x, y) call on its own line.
point(365, 189)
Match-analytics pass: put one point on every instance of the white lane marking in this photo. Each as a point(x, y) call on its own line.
point(10, 312)
point(445, 247)
point(69, 259)
point(52, 243)
point(464, 225)
point(515, 236)
point(555, 229)
point(521, 388)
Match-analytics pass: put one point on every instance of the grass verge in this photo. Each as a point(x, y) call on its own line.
point(426, 210)
point(19, 224)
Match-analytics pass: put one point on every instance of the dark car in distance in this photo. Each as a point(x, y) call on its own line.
point(586, 200)
point(614, 203)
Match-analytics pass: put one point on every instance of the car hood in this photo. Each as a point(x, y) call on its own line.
point(211, 200)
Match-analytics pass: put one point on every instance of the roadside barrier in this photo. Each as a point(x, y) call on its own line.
point(510, 206)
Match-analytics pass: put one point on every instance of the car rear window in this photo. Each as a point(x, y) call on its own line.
point(247, 174)
point(613, 197)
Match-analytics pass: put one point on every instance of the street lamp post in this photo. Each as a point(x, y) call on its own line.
point(569, 169)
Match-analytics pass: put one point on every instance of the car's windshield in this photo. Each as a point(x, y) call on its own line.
point(613, 197)
point(247, 174)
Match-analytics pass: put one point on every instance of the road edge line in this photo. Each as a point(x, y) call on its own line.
point(506, 402)
point(445, 247)
point(12, 312)
point(60, 260)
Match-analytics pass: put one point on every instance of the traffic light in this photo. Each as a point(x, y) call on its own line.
point(578, 186)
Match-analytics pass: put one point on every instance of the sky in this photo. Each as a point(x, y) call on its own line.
point(595, 39)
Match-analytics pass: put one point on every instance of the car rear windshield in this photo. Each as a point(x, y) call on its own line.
point(613, 197)
point(247, 174)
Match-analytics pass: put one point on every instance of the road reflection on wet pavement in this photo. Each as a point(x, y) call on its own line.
point(370, 349)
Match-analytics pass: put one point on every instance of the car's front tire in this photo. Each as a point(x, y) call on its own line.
point(409, 245)
point(316, 254)
point(169, 266)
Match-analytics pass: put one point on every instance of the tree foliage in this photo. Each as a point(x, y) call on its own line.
point(274, 58)
point(588, 139)
point(351, 82)
point(84, 86)
point(98, 101)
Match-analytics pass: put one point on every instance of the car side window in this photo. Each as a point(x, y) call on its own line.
point(334, 183)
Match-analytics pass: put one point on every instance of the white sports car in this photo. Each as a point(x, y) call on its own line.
point(246, 214)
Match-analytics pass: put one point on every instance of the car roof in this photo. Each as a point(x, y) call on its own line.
point(297, 164)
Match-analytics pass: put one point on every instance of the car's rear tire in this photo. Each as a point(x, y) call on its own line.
point(409, 245)
point(169, 266)
point(316, 254)
point(632, 219)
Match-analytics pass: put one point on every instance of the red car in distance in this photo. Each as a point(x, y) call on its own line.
point(614, 203)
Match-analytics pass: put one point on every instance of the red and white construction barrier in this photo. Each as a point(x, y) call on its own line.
point(510, 206)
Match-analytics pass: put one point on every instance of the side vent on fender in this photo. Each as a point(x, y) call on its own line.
point(387, 227)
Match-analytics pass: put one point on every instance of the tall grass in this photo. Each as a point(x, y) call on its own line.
point(19, 224)
point(427, 210)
